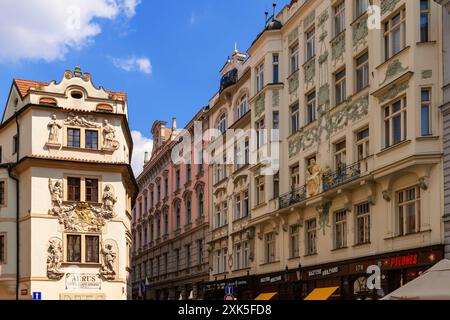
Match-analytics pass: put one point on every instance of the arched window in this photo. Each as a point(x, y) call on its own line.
point(241, 108)
point(200, 203)
point(188, 211)
point(222, 123)
point(177, 213)
point(166, 221)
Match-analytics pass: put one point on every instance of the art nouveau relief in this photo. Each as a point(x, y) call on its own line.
point(81, 217)
point(54, 259)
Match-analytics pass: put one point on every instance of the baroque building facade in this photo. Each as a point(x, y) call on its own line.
point(170, 218)
point(66, 191)
point(361, 167)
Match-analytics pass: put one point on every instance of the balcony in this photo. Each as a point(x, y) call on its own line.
point(341, 176)
point(295, 196)
point(230, 78)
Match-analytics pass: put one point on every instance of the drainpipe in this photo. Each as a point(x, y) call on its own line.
point(16, 179)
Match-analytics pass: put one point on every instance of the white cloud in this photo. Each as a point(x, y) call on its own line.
point(141, 144)
point(49, 29)
point(141, 64)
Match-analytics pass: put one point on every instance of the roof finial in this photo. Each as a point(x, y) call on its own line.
point(274, 9)
point(235, 48)
point(266, 13)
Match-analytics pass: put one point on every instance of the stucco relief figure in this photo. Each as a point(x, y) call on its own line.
point(313, 179)
point(56, 191)
point(109, 198)
point(81, 121)
point(109, 257)
point(54, 260)
point(54, 128)
point(109, 134)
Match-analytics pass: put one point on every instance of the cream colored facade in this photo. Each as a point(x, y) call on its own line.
point(69, 189)
point(363, 103)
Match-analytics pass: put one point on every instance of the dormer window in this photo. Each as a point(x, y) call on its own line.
point(76, 95)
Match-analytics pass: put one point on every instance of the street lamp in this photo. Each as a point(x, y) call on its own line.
point(299, 272)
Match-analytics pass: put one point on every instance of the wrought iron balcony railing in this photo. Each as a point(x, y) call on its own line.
point(228, 79)
point(294, 196)
point(341, 176)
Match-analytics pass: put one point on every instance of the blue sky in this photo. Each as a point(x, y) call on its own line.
point(186, 43)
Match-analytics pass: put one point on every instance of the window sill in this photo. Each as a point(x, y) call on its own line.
point(427, 138)
point(94, 204)
point(390, 59)
point(308, 61)
point(408, 235)
point(93, 265)
point(363, 244)
point(358, 17)
point(68, 148)
point(261, 205)
point(269, 263)
point(337, 36)
point(293, 258)
point(393, 147)
point(310, 255)
point(339, 249)
point(424, 43)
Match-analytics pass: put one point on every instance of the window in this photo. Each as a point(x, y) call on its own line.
point(340, 229)
point(246, 255)
point(311, 107)
point(166, 187)
point(242, 108)
point(247, 151)
point(177, 179)
point(245, 206)
point(166, 222)
point(362, 72)
point(224, 259)
point(217, 216)
point(73, 138)
point(293, 58)
point(1, 155)
point(339, 18)
point(201, 204)
point(259, 77)
point(2, 248)
point(222, 123)
point(158, 192)
point(237, 207)
point(275, 120)
point(145, 201)
point(217, 267)
point(424, 20)
point(276, 185)
point(361, 7)
point(73, 189)
point(408, 211)
point(340, 84)
point(15, 146)
point(295, 119)
point(295, 176)
point(158, 263)
point(165, 261)
point(152, 230)
point(92, 190)
point(188, 172)
point(188, 211)
point(158, 226)
point(224, 213)
point(92, 249)
point(200, 251)
point(91, 139)
point(177, 260)
point(311, 230)
point(260, 127)
point(73, 248)
point(270, 247)
point(188, 257)
point(260, 194)
point(340, 154)
point(425, 108)
point(363, 223)
point(362, 147)
point(310, 43)
point(395, 122)
point(275, 65)
point(2, 193)
point(237, 256)
point(152, 199)
point(145, 234)
point(294, 241)
point(395, 35)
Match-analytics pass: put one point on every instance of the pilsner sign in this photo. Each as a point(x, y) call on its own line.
point(83, 281)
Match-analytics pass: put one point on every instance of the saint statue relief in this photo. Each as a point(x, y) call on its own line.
point(54, 127)
point(109, 199)
point(109, 133)
point(313, 178)
point(109, 257)
point(56, 191)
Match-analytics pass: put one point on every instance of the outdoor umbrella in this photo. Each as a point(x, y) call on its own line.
point(433, 284)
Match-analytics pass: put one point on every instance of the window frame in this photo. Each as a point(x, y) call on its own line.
point(340, 228)
point(361, 214)
point(310, 43)
point(339, 17)
point(340, 86)
point(83, 248)
point(402, 229)
point(311, 107)
point(426, 104)
point(294, 54)
point(259, 77)
point(389, 29)
point(362, 70)
point(389, 124)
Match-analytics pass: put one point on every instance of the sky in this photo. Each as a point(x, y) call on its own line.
point(165, 54)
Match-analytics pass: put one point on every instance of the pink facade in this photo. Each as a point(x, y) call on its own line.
point(170, 222)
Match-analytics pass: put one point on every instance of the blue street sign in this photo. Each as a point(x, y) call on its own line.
point(37, 295)
point(229, 290)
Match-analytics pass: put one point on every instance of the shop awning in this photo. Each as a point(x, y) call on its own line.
point(266, 296)
point(321, 293)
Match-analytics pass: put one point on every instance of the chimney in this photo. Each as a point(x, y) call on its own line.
point(146, 157)
point(174, 124)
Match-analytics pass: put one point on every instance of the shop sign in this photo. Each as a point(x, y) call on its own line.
point(323, 272)
point(275, 279)
point(265, 279)
point(402, 261)
point(83, 281)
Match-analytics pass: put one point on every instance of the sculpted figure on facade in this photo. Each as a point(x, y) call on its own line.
point(54, 128)
point(313, 179)
point(109, 134)
point(109, 257)
point(54, 260)
point(76, 120)
point(109, 199)
point(56, 191)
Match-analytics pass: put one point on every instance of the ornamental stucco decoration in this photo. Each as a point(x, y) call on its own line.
point(394, 68)
point(80, 121)
point(109, 137)
point(324, 216)
point(360, 32)
point(260, 105)
point(54, 259)
point(338, 48)
point(293, 84)
point(293, 35)
point(427, 74)
point(388, 5)
point(310, 72)
point(394, 91)
point(109, 255)
point(324, 95)
point(275, 98)
point(309, 20)
point(323, 18)
point(82, 217)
